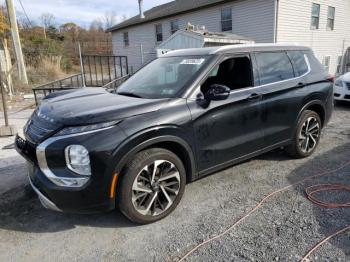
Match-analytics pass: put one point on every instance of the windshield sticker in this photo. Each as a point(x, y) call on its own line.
point(192, 61)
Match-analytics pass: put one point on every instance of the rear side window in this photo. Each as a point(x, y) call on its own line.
point(274, 67)
point(299, 62)
point(316, 65)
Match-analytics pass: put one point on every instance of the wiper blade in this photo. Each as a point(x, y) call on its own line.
point(129, 94)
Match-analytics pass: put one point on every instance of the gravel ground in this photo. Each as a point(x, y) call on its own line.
point(283, 229)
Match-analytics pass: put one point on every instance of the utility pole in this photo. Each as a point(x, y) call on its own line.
point(4, 105)
point(81, 65)
point(16, 42)
point(5, 130)
point(44, 26)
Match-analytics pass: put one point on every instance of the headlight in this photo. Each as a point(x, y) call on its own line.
point(78, 160)
point(83, 129)
point(339, 83)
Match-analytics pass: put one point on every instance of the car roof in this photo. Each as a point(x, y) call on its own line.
point(241, 48)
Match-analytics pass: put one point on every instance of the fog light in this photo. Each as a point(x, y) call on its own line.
point(78, 160)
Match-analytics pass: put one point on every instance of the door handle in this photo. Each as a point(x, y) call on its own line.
point(254, 96)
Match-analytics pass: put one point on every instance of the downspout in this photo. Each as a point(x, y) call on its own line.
point(276, 20)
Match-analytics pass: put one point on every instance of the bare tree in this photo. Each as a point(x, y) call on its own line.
point(71, 30)
point(23, 21)
point(47, 19)
point(96, 25)
point(110, 19)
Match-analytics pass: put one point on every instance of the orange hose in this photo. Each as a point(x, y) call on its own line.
point(312, 190)
point(305, 258)
point(262, 201)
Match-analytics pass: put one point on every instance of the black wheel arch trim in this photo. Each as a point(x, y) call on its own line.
point(307, 105)
point(121, 161)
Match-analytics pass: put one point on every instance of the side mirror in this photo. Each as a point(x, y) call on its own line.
point(217, 93)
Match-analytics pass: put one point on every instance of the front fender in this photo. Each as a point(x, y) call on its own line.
point(145, 139)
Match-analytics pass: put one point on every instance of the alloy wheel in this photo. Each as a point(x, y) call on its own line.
point(309, 135)
point(155, 188)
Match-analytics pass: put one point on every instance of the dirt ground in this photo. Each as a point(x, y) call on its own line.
point(283, 229)
point(18, 103)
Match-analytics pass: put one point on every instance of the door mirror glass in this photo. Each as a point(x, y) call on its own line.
point(217, 92)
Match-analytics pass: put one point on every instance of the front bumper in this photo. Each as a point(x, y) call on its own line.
point(84, 200)
point(47, 203)
point(94, 196)
point(342, 93)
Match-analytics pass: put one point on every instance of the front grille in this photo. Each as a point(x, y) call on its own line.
point(347, 84)
point(26, 148)
point(37, 129)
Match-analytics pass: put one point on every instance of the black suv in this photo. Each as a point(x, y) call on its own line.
point(185, 115)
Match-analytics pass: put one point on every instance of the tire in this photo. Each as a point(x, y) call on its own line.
point(165, 191)
point(299, 148)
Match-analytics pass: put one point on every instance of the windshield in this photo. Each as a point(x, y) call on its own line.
point(164, 77)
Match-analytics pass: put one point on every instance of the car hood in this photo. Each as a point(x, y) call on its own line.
point(93, 105)
point(345, 77)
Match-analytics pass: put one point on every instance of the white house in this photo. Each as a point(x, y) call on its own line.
point(323, 25)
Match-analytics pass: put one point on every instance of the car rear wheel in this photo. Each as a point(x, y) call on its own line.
point(307, 135)
point(151, 186)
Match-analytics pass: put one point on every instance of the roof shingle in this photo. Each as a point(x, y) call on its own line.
point(169, 9)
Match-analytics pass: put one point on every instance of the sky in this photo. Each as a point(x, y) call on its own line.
point(81, 12)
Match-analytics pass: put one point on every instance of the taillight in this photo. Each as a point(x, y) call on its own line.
point(331, 78)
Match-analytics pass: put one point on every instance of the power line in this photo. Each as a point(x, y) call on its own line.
point(25, 13)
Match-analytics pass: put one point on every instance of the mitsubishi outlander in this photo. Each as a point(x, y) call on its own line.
point(183, 116)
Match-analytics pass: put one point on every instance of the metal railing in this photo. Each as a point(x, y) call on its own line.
point(113, 85)
point(70, 81)
point(100, 70)
point(67, 83)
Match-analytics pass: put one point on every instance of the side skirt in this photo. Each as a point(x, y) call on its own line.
point(235, 161)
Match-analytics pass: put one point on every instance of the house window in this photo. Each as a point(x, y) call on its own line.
point(174, 26)
point(159, 33)
point(315, 16)
point(126, 39)
point(326, 63)
point(226, 19)
point(330, 18)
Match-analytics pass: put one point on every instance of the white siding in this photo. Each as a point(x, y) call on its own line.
point(183, 39)
point(294, 25)
point(251, 18)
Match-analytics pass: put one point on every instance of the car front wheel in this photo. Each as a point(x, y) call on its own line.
point(151, 185)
